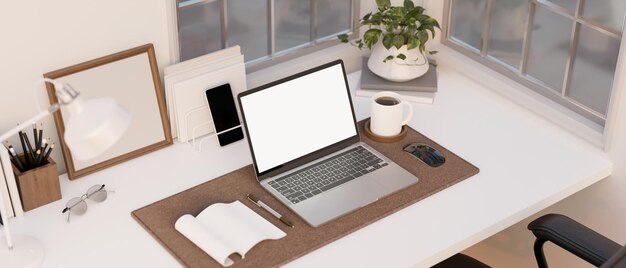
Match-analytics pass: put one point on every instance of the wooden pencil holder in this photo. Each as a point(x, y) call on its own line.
point(38, 186)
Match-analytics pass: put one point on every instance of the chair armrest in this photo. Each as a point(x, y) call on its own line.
point(574, 237)
point(617, 261)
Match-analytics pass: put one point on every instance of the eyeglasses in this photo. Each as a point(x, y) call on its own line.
point(78, 205)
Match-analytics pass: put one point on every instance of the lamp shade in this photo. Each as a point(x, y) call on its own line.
point(94, 126)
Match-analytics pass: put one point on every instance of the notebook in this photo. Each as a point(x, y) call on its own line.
point(306, 148)
point(223, 229)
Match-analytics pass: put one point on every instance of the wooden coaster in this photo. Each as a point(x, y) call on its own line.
point(377, 138)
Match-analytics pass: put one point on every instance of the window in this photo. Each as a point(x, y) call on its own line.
point(265, 29)
point(567, 50)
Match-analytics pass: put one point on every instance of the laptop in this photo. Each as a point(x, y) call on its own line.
point(306, 147)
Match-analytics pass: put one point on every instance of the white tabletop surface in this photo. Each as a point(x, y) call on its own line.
point(526, 164)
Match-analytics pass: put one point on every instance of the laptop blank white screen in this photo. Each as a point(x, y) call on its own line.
point(298, 117)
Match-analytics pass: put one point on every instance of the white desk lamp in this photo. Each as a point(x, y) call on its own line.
point(93, 127)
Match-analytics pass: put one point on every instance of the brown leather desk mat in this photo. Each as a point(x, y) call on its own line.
point(158, 218)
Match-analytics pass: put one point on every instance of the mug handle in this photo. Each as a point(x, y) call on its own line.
point(410, 116)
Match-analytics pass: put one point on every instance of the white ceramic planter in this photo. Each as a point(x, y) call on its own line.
point(397, 70)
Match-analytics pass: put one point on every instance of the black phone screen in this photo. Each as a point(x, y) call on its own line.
point(224, 112)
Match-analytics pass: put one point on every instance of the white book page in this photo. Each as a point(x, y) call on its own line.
point(213, 245)
point(223, 229)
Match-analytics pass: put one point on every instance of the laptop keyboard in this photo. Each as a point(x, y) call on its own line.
point(327, 174)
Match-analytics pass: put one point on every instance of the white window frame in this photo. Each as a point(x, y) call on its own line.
point(492, 76)
point(315, 44)
point(520, 74)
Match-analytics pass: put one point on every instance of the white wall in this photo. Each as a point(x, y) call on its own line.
point(40, 36)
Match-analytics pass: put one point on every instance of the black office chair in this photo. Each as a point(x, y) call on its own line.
point(565, 233)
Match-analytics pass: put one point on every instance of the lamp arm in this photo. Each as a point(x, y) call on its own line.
point(28, 122)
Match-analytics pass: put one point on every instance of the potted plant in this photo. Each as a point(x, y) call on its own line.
point(403, 33)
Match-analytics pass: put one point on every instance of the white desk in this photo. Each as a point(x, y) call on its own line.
point(526, 165)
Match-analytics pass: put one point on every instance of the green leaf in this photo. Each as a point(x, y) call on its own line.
point(423, 19)
point(382, 4)
point(433, 21)
point(343, 38)
point(387, 40)
point(423, 36)
point(412, 29)
point(367, 16)
point(389, 28)
point(420, 10)
point(397, 12)
point(433, 52)
point(401, 56)
point(398, 41)
point(408, 4)
point(412, 42)
point(359, 43)
point(371, 37)
point(388, 58)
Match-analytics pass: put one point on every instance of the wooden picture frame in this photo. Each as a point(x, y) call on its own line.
point(132, 78)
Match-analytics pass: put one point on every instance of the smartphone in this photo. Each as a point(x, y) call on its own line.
point(224, 113)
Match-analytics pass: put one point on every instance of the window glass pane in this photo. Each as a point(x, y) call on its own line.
point(607, 12)
point(506, 36)
point(199, 29)
point(333, 16)
point(594, 68)
point(569, 4)
point(467, 21)
point(549, 48)
point(247, 27)
point(293, 23)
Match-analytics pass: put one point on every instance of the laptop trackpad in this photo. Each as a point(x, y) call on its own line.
point(340, 201)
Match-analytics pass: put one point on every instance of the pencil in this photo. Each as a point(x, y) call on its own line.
point(40, 135)
point(35, 135)
point(30, 147)
point(24, 148)
point(44, 145)
point(16, 159)
point(37, 158)
point(48, 153)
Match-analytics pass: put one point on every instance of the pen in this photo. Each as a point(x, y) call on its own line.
point(260, 203)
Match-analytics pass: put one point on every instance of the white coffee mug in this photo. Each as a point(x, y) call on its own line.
point(387, 114)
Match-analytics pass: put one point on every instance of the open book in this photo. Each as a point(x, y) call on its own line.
point(223, 229)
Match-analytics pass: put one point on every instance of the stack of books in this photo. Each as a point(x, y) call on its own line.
point(419, 90)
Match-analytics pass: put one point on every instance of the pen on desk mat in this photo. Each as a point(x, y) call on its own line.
point(269, 209)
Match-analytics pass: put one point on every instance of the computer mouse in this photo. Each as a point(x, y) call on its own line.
point(429, 155)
